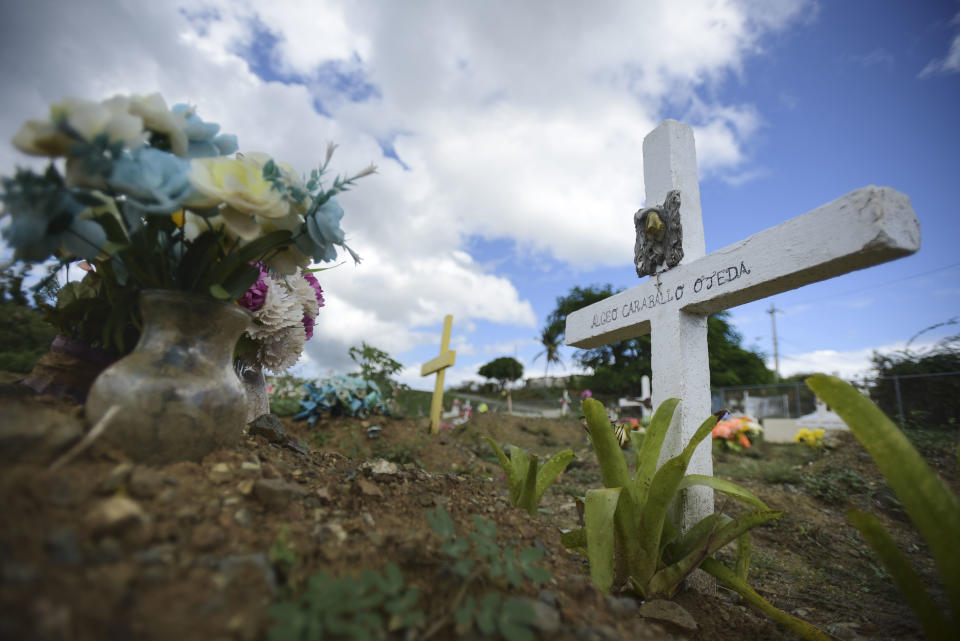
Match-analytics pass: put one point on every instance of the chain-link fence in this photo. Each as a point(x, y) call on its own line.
point(929, 400)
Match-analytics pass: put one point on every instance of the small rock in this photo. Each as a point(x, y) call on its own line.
point(246, 487)
point(269, 427)
point(116, 479)
point(337, 530)
point(243, 517)
point(114, 516)
point(207, 536)
point(276, 494)
point(162, 554)
point(62, 545)
point(269, 471)
point(622, 604)
point(33, 433)
point(380, 469)
point(367, 488)
point(250, 466)
point(19, 572)
point(323, 494)
point(801, 613)
point(220, 473)
point(845, 630)
point(548, 597)
point(663, 610)
point(188, 513)
point(144, 483)
point(546, 619)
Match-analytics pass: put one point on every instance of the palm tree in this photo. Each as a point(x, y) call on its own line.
point(551, 337)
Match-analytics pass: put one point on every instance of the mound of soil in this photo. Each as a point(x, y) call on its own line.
point(101, 548)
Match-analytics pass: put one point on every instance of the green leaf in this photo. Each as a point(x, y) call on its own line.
point(550, 471)
point(217, 291)
point(528, 492)
point(486, 616)
point(514, 480)
point(648, 453)
point(742, 565)
point(722, 485)
point(730, 578)
point(599, 509)
point(933, 508)
point(915, 593)
point(515, 618)
point(520, 464)
point(667, 580)
point(574, 539)
point(440, 522)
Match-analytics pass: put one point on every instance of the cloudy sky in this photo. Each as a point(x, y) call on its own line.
point(508, 139)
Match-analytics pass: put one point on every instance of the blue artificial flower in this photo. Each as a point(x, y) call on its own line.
point(44, 219)
point(202, 136)
point(154, 181)
point(323, 228)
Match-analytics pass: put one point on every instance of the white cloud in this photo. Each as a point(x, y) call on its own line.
point(949, 63)
point(847, 364)
point(516, 121)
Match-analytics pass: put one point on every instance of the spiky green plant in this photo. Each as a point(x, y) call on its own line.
point(526, 480)
point(933, 508)
point(628, 537)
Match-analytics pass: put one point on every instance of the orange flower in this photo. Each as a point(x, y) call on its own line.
point(744, 441)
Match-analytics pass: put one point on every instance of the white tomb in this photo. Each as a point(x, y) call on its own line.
point(782, 430)
point(868, 226)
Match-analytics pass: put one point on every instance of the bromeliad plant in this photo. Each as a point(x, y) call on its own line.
point(153, 198)
point(933, 508)
point(628, 537)
point(525, 478)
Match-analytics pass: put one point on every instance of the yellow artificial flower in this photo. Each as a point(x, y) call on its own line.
point(239, 183)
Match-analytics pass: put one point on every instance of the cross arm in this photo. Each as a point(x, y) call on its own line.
point(443, 361)
point(866, 227)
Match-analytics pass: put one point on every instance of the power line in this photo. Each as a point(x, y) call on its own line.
point(883, 284)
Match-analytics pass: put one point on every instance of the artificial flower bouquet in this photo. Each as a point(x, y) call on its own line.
point(284, 312)
point(736, 431)
point(156, 198)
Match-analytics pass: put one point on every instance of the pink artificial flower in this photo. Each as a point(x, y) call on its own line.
point(308, 323)
point(316, 288)
point(254, 297)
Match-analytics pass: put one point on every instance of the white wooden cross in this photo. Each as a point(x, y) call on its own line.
point(868, 226)
point(446, 358)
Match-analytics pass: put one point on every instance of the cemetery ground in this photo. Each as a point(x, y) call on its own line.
point(103, 549)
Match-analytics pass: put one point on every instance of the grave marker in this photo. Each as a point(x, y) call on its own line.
point(866, 227)
point(438, 365)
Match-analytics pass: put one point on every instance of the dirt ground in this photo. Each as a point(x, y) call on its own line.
point(105, 549)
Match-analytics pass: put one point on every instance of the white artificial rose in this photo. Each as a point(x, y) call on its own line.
point(158, 118)
point(111, 117)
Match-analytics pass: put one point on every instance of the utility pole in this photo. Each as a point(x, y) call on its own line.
point(776, 355)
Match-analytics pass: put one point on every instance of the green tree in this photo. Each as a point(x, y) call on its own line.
point(551, 337)
point(377, 366)
point(619, 367)
point(24, 334)
point(503, 370)
point(930, 390)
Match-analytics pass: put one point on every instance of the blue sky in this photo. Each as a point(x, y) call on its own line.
point(509, 137)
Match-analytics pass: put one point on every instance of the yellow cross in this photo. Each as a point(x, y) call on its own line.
point(439, 364)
